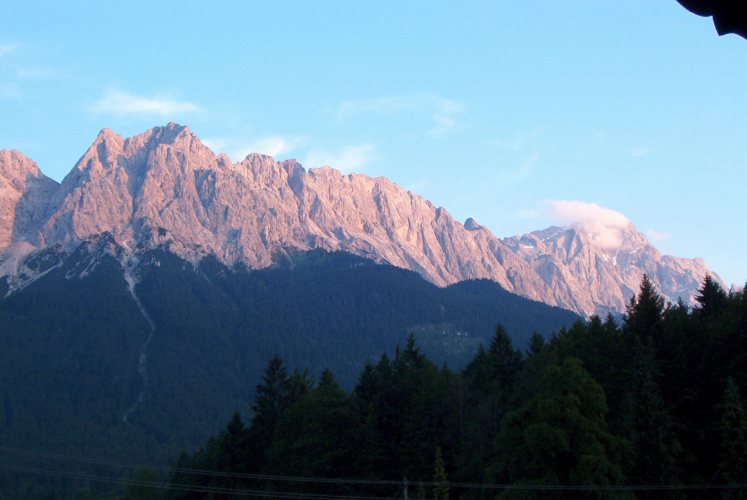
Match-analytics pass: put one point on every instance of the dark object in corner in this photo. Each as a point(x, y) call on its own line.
point(729, 16)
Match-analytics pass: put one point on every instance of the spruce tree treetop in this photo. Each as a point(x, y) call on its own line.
point(644, 314)
point(271, 394)
point(610, 324)
point(494, 371)
point(536, 344)
point(711, 297)
point(235, 425)
point(411, 356)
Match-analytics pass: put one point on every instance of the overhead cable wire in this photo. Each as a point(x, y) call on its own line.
point(185, 487)
point(379, 482)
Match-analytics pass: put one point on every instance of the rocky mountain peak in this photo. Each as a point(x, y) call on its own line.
point(107, 135)
point(171, 135)
point(102, 153)
point(471, 224)
point(601, 266)
point(165, 188)
point(14, 165)
point(178, 136)
point(24, 195)
point(258, 158)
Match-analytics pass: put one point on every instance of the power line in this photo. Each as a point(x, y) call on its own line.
point(202, 472)
point(375, 482)
point(185, 487)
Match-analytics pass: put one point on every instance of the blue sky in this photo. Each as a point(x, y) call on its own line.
point(490, 109)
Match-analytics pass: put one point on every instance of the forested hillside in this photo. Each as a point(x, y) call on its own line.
point(80, 375)
point(649, 408)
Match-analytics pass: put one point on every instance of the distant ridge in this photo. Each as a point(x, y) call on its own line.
point(165, 188)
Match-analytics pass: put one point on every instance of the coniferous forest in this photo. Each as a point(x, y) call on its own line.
point(649, 407)
point(70, 351)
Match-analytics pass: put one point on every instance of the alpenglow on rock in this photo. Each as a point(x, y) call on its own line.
point(24, 194)
point(165, 188)
point(599, 269)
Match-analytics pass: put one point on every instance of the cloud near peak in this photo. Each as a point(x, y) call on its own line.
point(238, 147)
point(604, 226)
point(347, 159)
point(117, 102)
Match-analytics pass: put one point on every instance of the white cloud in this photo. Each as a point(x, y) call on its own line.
point(217, 144)
point(122, 103)
point(441, 111)
point(8, 49)
point(238, 148)
point(444, 115)
point(346, 159)
point(442, 123)
point(639, 151)
point(605, 226)
point(276, 145)
point(658, 236)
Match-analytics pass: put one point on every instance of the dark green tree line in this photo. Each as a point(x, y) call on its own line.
point(654, 400)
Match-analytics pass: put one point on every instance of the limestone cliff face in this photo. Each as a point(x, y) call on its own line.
point(24, 195)
point(600, 276)
point(164, 188)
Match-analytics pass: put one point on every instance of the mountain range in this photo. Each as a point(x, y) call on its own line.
point(165, 189)
point(141, 297)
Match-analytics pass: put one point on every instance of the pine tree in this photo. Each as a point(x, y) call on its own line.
point(300, 383)
point(314, 436)
point(234, 450)
point(411, 357)
point(712, 298)
point(742, 325)
point(441, 488)
point(536, 344)
point(270, 401)
point(494, 371)
point(491, 378)
point(653, 440)
point(610, 325)
point(733, 463)
point(738, 341)
point(271, 395)
point(644, 314)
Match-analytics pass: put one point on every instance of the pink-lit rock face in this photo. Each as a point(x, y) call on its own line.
point(24, 195)
point(164, 187)
point(590, 275)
